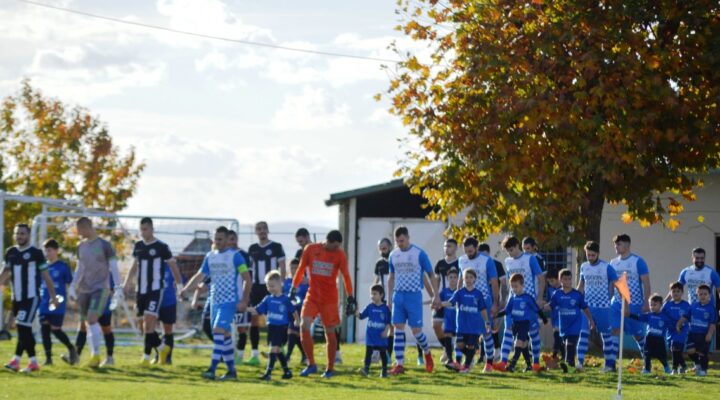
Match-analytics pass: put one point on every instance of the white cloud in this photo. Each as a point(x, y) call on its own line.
point(312, 109)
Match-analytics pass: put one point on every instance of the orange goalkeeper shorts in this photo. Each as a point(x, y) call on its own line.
point(328, 312)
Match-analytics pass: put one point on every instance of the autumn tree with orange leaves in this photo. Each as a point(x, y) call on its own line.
point(531, 115)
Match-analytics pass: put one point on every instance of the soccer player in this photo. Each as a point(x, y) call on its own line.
point(527, 265)
point(699, 274)
point(638, 281)
point(553, 285)
point(293, 328)
point(242, 318)
point(25, 264)
point(265, 256)
point(449, 321)
point(377, 329)
point(302, 237)
point(657, 324)
point(521, 312)
point(448, 262)
point(323, 262)
point(279, 310)
point(703, 320)
point(597, 280)
point(408, 265)
point(486, 282)
point(151, 257)
point(382, 271)
point(96, 263)
point(51, 321)
point(569, 303)
point(168, 314)
point(530, 246)
point(675, 308)
point(472, 317)
point(105, 321)
point(222, 265)
point(498, 323)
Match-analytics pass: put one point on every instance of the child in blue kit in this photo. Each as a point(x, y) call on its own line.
point(569, 303)
point(703, 318)
point(675, 308)
point(657, 325)
point(471, 317)
point(293, 329)
point(521, 310)
point(377, 330)
point(278, 310)
point(553, 285)
point(449, 323)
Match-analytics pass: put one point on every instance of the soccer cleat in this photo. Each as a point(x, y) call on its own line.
point(238, 359)
point(229, 376)
point(608, 370)
point(645, 372)
point(501, 366)
point(93, 362)
point(681, 370)
point(304, 361)
point(488, 368)
point(674, 372)
point(252, 361)
point(668, 370)
point(464, 369)
point(164, 353)
point(328, 374)
point(564, 367)
point(31, 367)
point(266, 377)
point(48, 362)
point(536, 367)
point(144, 362)
point(443, 358)
point(397, 370)
point(700, 372)
point(13, 365)
point(363, 371)
point(579, 368)
point(310, 369)
point(264, 354)
point(383, 374)
point(429, 363)
point(420, 361)
point(452, 366)
point(108, 362)
point(209, 375)
point(287, 374)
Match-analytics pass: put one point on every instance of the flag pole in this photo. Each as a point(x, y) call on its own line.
point(620, 352)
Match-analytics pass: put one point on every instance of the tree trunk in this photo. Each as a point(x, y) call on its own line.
point(593, 213)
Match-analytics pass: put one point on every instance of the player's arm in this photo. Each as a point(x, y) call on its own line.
point(242, 269)
point(127, 286)
point(281, 261)
point(247, 287)
point(345, 272)
point(172, 263)
point(79, 270)
point(113, 261)
point(711, 331)
point(486, 318)
point(429, 284)
point(644, 274)
point(300, 273)
point(492, 277)
point(591, 322)
point(391, 287)
point(538, 273)
point(4, 276)
point(581, 285)
point(49, 284)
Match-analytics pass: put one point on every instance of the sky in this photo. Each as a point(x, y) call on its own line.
point(226, 130)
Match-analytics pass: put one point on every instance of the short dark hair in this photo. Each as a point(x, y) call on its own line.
point(83, 221)
point(295, 261)
point(262, 223)
point(656, 298)
point(452, 241)
point(302, 232)
point(565, 272)
point(510, 241)
point(401, 230)
point(452, 270)
point(470, 271)
point(592, 246)
point(471, 241)
point(677, 285)
point(334, 236)
point(223, 230)
point(623, 237)
point(51, 244)
point(552, 273)
point(519, 278)
point(21, 226)
point(483, 247)
point(232, 233)
point(703, 287)
point(698, 250)
point(146, 220)
point(386, 241)
point(378, 289)
point(529, 240)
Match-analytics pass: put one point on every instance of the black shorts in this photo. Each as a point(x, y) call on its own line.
point(105, 319)
point(242, 319)
point(25, 310)
point(521, 330)
point(168, 315)
point(149, 303)
point(258, 293)
point(438, 315)
point(697, 342)
point(277, 335)
point(469, 339)
point(52, 319)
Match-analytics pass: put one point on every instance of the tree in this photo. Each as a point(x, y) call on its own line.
point(530, 115)
point(49, 149)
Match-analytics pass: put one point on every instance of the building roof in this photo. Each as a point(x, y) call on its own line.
point(336, 198)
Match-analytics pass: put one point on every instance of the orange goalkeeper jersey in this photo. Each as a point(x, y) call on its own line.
point(323, 267)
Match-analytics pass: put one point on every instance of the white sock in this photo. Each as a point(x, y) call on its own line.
point(255, 353)
point(16, 358)
point(146, 357)
point(33, 360)
point(241, 354)
point(94, 336)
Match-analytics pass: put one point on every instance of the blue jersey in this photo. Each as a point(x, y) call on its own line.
point(674, 311)
point(657, 324)
point(569, 306)
point(378, 319)
point(409, 266)
point(449, 313)
point(597, 279)
point(636, 268)
point(223, 268)
point(522, 308)
point(701, 317)
point(300, 292)
point(169, 297)
point(484, 267)
point(549, 292)
point(527, 266)
point(692, 278)
point(469, 304)
point(277, 308)
point(61, 277)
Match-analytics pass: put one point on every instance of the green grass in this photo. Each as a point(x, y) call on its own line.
point(182, 380)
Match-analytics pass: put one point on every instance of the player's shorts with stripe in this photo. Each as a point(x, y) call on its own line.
point(222, 315)
point(93, 302)
point(521, 330)
point(258, 293)
point(277, 335)
point(149, 303)
point(438, 315)
point(242, 319)
point(25, 310)
point(632, 327)
point(696, 341)
point(407, 308)
point(168, 315)
point(52, 319)
point(328, 312)
point(601, 317)
point(469, 339)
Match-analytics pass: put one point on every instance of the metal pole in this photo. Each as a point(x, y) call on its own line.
point(43, 226)
point(620, 353)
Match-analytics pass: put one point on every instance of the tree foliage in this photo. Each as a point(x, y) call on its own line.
point(49, 149)
point(530, 115)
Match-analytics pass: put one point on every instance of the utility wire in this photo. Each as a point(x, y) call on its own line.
point(205, 36)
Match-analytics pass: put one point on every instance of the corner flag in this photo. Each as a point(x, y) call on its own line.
point(622, 287)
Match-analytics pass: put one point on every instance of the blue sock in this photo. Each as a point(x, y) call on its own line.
point(535, 343)
point(229, 353)
point(458, 352)
point(609, 349)
point(582, 347)
point(423, 342)
point(507, 343)
point(217, 354)
point(489, 348)
point(400, 347)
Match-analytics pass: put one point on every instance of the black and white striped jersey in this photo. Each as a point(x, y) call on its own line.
point(151, 258)
point(265, 259)
point(25, 267)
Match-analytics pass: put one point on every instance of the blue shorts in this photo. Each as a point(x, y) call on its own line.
point(168, 315)
point(632, 327)
point(521, 330)
point(555, 318)
point(449, 324)
point(407, 308)
point(52, 319)
point(277, 335)
point(222, 315)
point(468, 339)
point(601, 317)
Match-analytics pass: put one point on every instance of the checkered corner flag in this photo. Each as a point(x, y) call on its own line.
point(622, 287)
